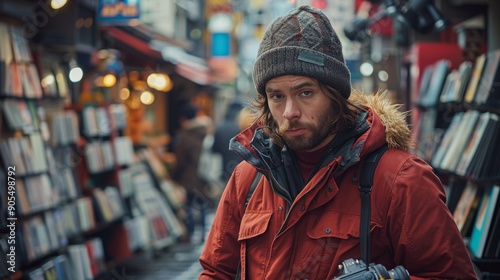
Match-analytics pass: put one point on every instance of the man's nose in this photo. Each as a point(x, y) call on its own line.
point(292, 109)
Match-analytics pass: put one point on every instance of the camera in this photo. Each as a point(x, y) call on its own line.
point(352, 269)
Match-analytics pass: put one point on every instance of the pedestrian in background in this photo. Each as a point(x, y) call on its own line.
point(224, 131)
point(187, 150)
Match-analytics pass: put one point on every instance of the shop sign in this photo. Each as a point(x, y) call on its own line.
point(116, 12)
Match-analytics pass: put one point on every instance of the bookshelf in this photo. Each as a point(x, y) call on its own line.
point(430, 65)
point(77, 197)
point(464, 153)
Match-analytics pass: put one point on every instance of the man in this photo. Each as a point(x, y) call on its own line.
point(187, 149)
point(309, 142)
point(224, 131)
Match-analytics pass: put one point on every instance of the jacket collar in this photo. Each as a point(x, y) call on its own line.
point(381, 123)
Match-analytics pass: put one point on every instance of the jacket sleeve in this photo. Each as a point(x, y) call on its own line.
point(424, 236)
point(221, 255)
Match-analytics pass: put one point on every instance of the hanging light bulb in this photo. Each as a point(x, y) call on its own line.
point(160, 82)
point(147, 98)
point(57, 4)
point(75, 72)
point(109, 80)
point(124, 93)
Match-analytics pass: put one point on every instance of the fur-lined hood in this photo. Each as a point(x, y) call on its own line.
point(398, 134)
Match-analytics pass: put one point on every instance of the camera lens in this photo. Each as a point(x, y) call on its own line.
point(399, 273)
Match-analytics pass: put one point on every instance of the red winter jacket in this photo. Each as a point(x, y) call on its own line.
point(308, 238)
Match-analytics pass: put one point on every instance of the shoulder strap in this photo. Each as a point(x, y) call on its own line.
point(369, 166)
point(254, 184)
point(365, 187)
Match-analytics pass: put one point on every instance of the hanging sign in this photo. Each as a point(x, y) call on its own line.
point(116, 12)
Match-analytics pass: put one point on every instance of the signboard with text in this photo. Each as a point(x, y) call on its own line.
point(117, 12)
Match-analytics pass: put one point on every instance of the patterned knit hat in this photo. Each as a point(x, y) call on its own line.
point(302, 43)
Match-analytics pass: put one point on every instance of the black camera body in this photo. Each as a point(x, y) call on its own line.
point(352, 269)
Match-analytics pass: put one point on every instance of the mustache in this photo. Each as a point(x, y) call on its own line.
point(291, 125)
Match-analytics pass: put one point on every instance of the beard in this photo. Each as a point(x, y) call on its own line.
point(314, 136)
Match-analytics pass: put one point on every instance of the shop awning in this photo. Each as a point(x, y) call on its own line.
point(189, 66)
point(146, 41)
point(139, 39)
point(134, 42)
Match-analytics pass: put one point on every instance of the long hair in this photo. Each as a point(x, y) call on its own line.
point(345, 113)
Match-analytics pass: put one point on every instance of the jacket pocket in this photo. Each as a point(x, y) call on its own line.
point(333, 224)
point(253, 224)
point(337, 225)
point(333, 237)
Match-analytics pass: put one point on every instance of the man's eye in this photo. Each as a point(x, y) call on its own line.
point(276, 96)
point(306, 93)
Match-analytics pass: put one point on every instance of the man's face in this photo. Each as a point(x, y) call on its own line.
point(301, 110)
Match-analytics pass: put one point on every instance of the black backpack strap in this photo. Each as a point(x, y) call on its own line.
point(369, 166)
point(365, 187)
point(254, 184)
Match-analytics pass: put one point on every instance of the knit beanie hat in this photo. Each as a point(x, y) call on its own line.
point(302, 43)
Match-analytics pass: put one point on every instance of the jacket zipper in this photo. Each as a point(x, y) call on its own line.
point(287, 213)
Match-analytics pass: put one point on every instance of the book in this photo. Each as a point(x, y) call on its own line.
point(70, 219)
point(447, 138)
point(50, 223)
point(425, 82)
point(23, 206)
point(38, 154)
point(62, 266)
point(436, 84)
point(13, 80)
point(118, 115)
point(486, 121)
point(20, 115)
point(462, 81)
point(489, 84)
point(95, 251)
point(448, 92)
point(493, 237)
point(486, 157)
point(30, 80)
point(470, 92)
point(89, 120)
point(85, 213)
point(36, 274)
point(49, 270)
point(482, 225)
point(138, 232)
point(425, 136)
point(6, 55)
point(466, 207)
point(33, 79)
point(103, 209)
point(115, 201)
point(20, 46)
point(457, 145)
point(80, 265)
point(124, 150)
point(103, 121)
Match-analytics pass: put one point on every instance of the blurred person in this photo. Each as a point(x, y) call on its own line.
point(224, 131)
point(311, 137)
point(187, 150)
